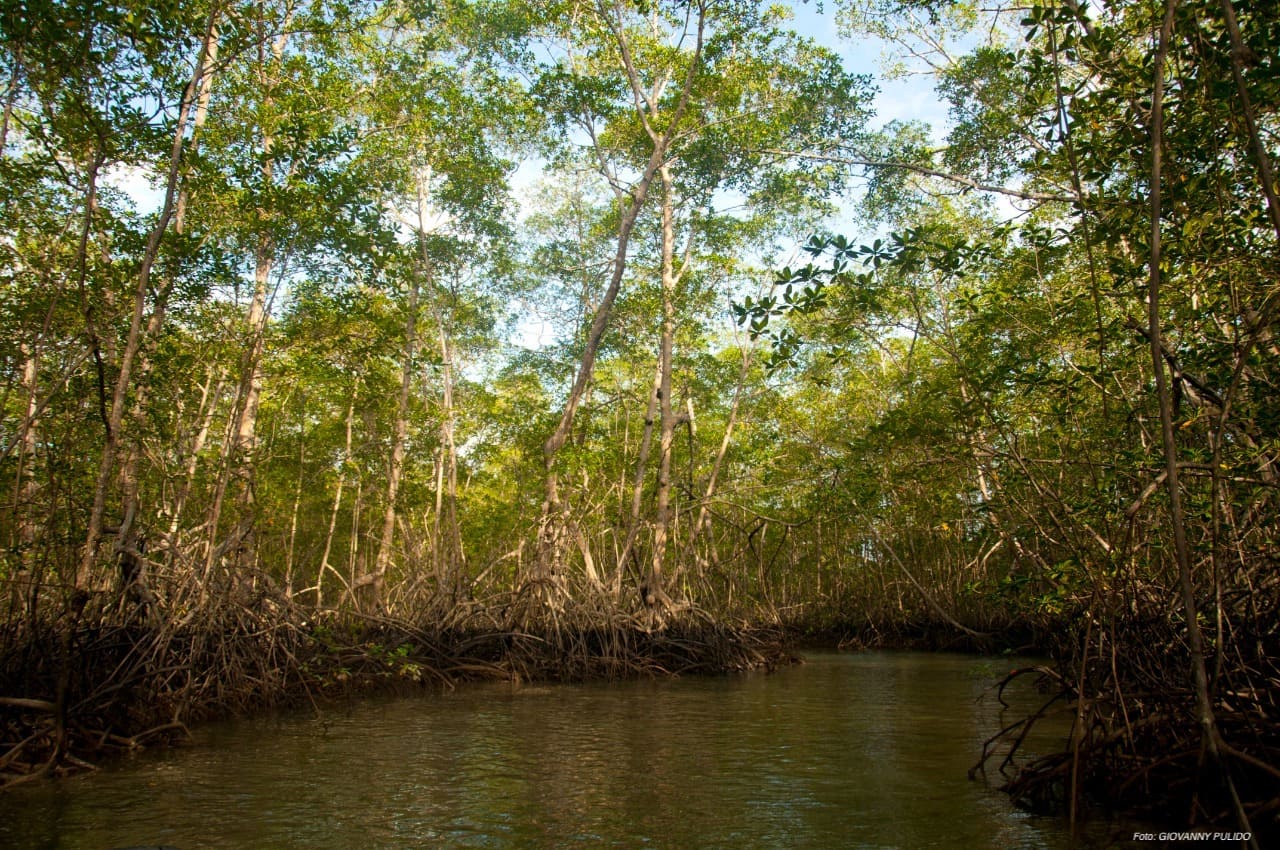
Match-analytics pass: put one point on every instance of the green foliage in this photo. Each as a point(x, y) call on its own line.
point(989, 372)
point(965, 389)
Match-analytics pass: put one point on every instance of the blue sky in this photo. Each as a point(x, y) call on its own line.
point(904, 98)
point(901, 99)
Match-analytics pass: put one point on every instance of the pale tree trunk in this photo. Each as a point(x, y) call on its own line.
point(373, 582)
point(551, 537)
point(209, 397)
point(243, 539)
point(83, 578)
point(353, 542)
point(237, 448)
point(201, 117)
point(652, 592)
point(713, 479)
point(337, 503)
point(114, 419)
point(250, 394)
point(212, 549)
point(130, 547)
point(437, 546)
point(26, 485)
point(447, 555)
point(453, 557)
point(27, 491)
point(293, 518)
point(11, 98)
point(637, 482)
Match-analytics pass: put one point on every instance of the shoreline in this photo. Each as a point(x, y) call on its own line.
point(331, 661)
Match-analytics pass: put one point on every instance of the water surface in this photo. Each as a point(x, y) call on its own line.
point(846, 751)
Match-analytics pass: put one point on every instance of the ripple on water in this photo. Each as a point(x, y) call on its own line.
point(851, 751)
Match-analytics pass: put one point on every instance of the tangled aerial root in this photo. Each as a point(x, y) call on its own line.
point(71, 695)
point(1136, 743)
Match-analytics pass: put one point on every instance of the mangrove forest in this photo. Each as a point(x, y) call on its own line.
point(355, 347)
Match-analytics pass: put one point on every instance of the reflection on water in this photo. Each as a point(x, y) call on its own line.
point(846, 751)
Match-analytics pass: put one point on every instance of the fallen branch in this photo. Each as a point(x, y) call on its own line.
point(33, 704)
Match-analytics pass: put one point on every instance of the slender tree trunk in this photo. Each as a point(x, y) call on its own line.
point(637, 483)
point(11, 97)
point(213, 516)
point(454, 557)
point(293, 517)
point(1205, 715)
point(447, 553)
point(208, 407)
point(245, 444)
point(239, 449)
point(130, 542)
point(547, 562)
point(1182, 551)
point(244, 468)
point(652, 591)
point(337, 501)
point(26, 485)
point(376, 579)
point(201, 117)
point(237, 459)
point(704, 508)
point(84, 570)
point(550, 533)
point(353, 541)
point(437, 545)
point(115, 417)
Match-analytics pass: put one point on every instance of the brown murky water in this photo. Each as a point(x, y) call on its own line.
point(845, 751)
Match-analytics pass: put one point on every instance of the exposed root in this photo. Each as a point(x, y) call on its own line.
point(82, 693)
point(1135, 743)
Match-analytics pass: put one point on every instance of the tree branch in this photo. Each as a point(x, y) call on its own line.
point(927, 172)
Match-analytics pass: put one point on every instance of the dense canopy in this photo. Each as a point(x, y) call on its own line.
point(486, 315)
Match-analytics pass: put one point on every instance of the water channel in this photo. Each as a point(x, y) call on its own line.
point(845, 751)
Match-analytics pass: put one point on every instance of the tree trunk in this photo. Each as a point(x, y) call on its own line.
point(1205, 715)
point(337, 502)
point(83, 578)
point(202, 115)
point(550, 536)
point(208, 407)
point(353, 542)
point(293, 516)
point(652, 592)
point(454, 559)
point(704, 507)
point(637, 484)
point(244, 449)
point(10, 98)
point(133, 342)
point(373, 591)
point(250, 395)
point(130, 544)
point(26, 486)
point(550, 532)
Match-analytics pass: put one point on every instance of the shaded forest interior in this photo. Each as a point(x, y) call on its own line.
point(355, 344)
